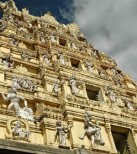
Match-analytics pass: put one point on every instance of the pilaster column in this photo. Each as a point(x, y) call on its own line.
point(111, 140)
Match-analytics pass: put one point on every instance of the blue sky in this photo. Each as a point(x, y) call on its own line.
point(110, 25)
point(39, 7)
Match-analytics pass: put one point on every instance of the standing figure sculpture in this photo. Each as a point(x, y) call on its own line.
point(57, 84)
point(93, 131)
point(14, 100)
point(129, 106)
point(89, 66)
point(111, 95)
point(74, 84)
point(46, 58)
point(60, 57)
point(61, 132)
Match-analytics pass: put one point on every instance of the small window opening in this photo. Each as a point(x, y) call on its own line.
point(74, 63)
point(92, 92)
point(62, 42)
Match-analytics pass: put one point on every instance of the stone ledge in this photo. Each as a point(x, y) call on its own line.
point(15, 147)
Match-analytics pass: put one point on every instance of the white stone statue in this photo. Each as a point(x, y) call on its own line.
point(20, 133)
point(14, 100)
point(7, 62)
point(61, 132)
point(111, 95)
point(25, 56)
point(92, 131)
point(53, 39)
point(60, 57)
point(89, 66)
point(129, 106)
point(57, 84)
point(46, 58)
point(74, 84)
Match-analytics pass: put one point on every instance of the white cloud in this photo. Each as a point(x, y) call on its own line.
point(111, 26)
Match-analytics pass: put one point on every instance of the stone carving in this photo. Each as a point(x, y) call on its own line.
point(42, 38)
point(21, 70)
point(111, 95)
point(61, 132)
point(24, 83)
point(128, 105)
point(81, 150)
point(92, 131)
point(47, 111)
point(72, 46)
point(2, 26)
point(61, 58)
point(89, 67)
point(18, 129)
point(7, 62)
point(25, 56)
point(8, 17)
point(8, 6)
point(73, 28)
point(41, 72)
point(53, 39)
point(75, 85)
point(22, 31)
point(56, 86)
point(94, 54)
point(14, 100)
point(47, 58)
point(49, 18)
point(103, 74)
point(14, 42)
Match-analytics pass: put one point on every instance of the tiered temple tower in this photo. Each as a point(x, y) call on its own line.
point(60, 95)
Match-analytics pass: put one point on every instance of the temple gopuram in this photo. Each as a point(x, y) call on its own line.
point(58, 94)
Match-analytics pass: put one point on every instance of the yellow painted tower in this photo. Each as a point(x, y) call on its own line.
point(58, 94)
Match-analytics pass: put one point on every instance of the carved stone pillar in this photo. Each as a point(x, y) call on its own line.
point(108, 129)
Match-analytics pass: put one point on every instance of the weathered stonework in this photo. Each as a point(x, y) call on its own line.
point(69, 89)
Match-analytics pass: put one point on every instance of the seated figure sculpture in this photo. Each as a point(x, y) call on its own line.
point(20, 133)
point(92, 130)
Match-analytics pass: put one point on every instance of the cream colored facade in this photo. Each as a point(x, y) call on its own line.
point(71, 77)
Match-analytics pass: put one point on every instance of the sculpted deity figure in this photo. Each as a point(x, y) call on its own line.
point(19, 132)
point(42, 37)
point(25, 56)
point(74, 84)
point(89, 66)
point(129, 106)
point(46, 58)
point(61, 132)
point(57, 84)
point(7, 62)
point(73, 46)
point(53, 39)
point(60, 57)
point(14, 100)
point(111, 95)
point(93, 131)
